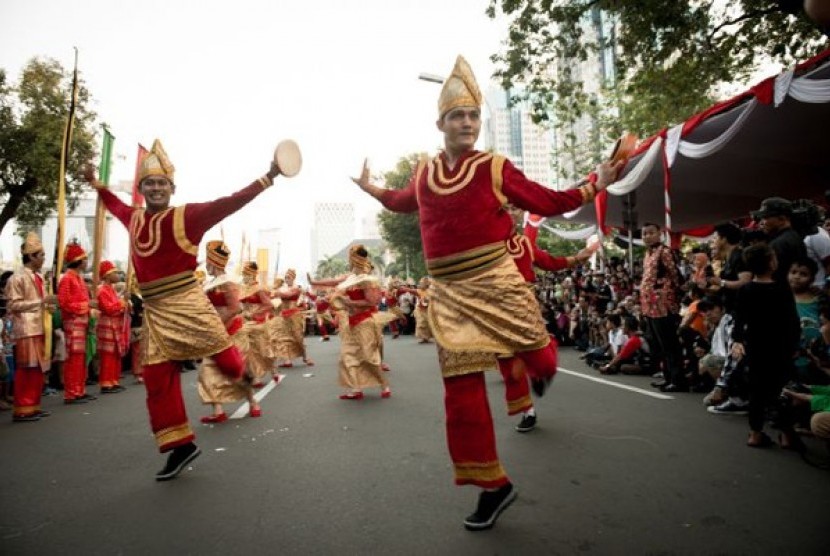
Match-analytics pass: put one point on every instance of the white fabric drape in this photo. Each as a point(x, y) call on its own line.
point(581, 233)
point(638, 174)
point(701, 150)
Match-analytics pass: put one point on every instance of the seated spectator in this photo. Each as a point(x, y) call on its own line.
point(615, 341)
point(632, 358)
point(712, 361)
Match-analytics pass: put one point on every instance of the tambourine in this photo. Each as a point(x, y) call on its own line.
point(288, 158)
point(623, 149)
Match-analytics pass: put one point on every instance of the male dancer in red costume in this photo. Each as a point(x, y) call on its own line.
point(26, 304)
point(179, 322)
point(480, 304)
point(109, 331)
point(73, 299)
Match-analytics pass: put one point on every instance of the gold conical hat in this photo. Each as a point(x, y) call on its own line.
point(156, 163)
point(31, 245)
point(460, 89)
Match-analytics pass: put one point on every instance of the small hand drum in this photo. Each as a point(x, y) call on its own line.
point(288, 159)
point(623, 149)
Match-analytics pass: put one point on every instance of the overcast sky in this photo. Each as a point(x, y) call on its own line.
point(221, 83)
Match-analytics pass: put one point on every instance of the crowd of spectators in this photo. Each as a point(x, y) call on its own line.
point(742, 318)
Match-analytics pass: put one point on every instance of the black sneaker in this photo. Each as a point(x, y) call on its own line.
point(88, 397)
point(177, 461)
point(490, 505)
point(527, 424)
point(75, 401)
point(25, 418)
point(540, 385)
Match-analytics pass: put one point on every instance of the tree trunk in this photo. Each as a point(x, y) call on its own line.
point(16, 196)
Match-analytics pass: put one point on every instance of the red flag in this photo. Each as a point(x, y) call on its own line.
point(138, 198)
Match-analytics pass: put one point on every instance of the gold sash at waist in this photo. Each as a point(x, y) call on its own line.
point(466, 263)
point(168, 285)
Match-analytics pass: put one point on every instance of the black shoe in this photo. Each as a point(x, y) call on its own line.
point(75, 401)
point(177, 460)
point(42, 413)
point(540, 385)
point(490, 505)
point(673, 388)
point(88, 398)
point(527, 424)
point(25, 418)
point(112, 389)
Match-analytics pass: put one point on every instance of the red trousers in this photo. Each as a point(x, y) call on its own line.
point(135, 358)
point(516, 385)
point(540, 363)
point(74, 376)
point(168, 417)
point(470, 435)
point(109, 372)
point(28, 386)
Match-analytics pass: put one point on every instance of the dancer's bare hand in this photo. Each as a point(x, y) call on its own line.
point(363, 180)
point(607, 173)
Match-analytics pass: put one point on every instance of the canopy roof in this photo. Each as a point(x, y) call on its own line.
point(772, 140)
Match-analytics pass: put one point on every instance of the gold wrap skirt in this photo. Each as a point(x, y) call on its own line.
point(180, 326)
point(257, 347)
point(292, 336)
point(476, 317)
point(214, 387)
point(360, 355)
point(422, 329)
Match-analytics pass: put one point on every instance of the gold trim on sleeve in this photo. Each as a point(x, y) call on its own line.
point(180, 233)
point(496, 169)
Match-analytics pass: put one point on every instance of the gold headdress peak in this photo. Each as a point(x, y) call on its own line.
point(460, 88)
point(31, 244)
point(156, 163)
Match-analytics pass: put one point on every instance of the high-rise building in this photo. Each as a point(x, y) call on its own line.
point(334, 228)
point(510, 131)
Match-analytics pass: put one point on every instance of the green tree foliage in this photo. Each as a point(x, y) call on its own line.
point(32, 119)
point(402, 231)
point(331, 267)
point(671, 58)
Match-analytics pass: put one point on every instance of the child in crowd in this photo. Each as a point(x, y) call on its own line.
point(766, 332)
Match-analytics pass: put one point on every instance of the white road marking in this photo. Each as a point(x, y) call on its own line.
point(650, 393)
point(243, 409)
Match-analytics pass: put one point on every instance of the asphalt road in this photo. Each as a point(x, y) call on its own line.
point(608, 471)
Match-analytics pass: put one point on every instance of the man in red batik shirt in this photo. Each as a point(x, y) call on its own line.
point(480, 305)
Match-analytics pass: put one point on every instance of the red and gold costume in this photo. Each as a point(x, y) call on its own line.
point(215, 387)
point(73, 300)
point(109, 329)
point(179, 321)
point(390, 298)
point(422, 330)
point(24, 294)
point(258, 312)
point(480, 304)
point(291, 333)
point(360, 363)
point(323, 309)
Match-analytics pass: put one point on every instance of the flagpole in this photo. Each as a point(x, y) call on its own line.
point(137, 201)
point(100, 210)
point(57, 261)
